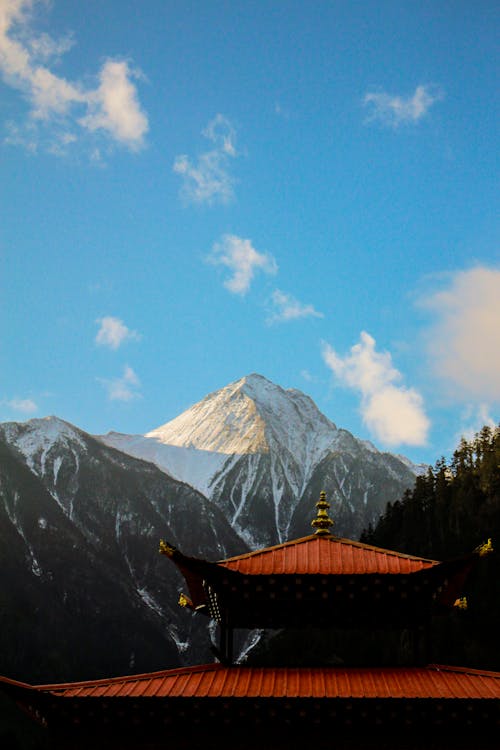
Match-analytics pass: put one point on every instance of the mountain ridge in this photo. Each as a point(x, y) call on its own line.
point(80, 524)
point(80, 521)
point(253, 448)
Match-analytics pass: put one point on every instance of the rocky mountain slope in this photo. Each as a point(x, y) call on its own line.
point(262, 454)
point(83, 590)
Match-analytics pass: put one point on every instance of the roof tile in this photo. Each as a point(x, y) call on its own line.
point(325, 555)
point(216, 681)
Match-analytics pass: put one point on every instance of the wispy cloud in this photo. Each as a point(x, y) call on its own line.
point(393, 110)
point(463, 340)
point(209, 180)
point(286, 308)
point(394, 414)
point(243, 260)
point(24, 406)
point(308, 376)
point(125, 388)
point(62, 109)
point(473, 418)
point(113, 333)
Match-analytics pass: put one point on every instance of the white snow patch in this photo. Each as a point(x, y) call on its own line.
point(250, 643)
point(252, 465)
point(35, 567)
point(369, 446)
point(12, 514)
point(57, 465)
point(186, 464)
point(150, 601)
point(42, 523)
point(35, 438)
point(174, 634)
point(417, 469)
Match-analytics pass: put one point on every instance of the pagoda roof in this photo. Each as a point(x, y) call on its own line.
point(325, 555)
point(321, 580)
point(218, 681)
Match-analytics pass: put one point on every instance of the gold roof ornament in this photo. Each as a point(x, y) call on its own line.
point(166, 549)
point(185, 601)
point(461, 603)
point(485, 549)
point(322, 522)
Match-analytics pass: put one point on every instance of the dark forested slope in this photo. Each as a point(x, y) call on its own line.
point(452, 509)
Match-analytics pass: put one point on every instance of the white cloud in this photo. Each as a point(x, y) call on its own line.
point(474, 418)
point(288, 308)
point(393, 110)
point(113, 333)
point(308, 376)
point(463, 341)
point(56, 103)
point(23, 405)
point(209, 181)
point(393, 413)
point(114, 106)
point(243, 260)
point(222, 134)
point(125, 388)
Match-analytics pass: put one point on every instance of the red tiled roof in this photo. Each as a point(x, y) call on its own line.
point(325, 555)
point(217, 681)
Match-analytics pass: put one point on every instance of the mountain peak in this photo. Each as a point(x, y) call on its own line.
point(35, 438)
point(245, 417)
point(42, 430)
point(259, 451)
point(225, 421)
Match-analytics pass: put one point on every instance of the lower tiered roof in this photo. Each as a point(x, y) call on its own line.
point(218, 681)
point(229, 703)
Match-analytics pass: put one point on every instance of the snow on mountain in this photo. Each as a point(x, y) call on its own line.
point(248, 428)
point(250, 416)
point(417, 469)
point(246, 417)
point(80, 524)
point(186, 464)
point(38, 437)
point(253, 448)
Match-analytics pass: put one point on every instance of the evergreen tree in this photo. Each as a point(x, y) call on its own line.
point(452, 509)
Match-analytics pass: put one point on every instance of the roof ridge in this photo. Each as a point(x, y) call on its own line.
point(463, 670)
point(125, 678)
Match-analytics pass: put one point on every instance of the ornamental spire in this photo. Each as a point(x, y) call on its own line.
point(322, 522)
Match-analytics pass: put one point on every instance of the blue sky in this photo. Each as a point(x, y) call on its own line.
point(195, 191)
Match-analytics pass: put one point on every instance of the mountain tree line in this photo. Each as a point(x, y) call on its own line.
point(452, 509)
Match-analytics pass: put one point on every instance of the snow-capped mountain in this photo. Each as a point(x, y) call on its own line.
point(80, 521)
point(262, 454)
point(80, 525)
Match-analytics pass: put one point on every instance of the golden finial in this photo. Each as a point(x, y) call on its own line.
point(461, 603)
point(322, 522)
point(166, 549)
point(185, 601)
point(484, 549)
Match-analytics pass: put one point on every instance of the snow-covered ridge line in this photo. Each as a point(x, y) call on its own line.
point(249, 416)
point(35, 438)
point(253, 448)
